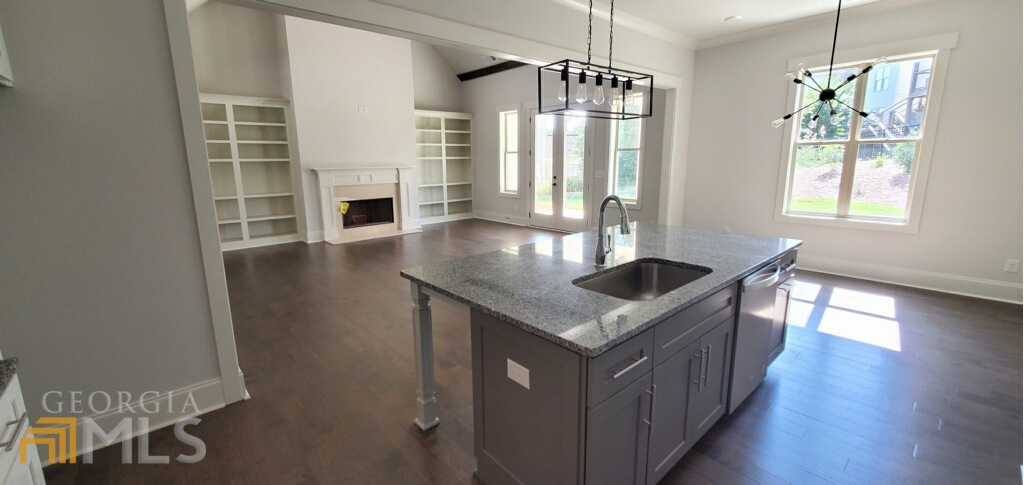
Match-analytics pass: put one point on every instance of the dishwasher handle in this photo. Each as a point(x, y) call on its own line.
point(762, 279)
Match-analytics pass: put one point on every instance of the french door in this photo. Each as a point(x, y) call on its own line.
point(560, 179)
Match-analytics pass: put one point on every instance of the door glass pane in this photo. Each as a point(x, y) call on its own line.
point(543, 161)
point(897, 94)
point(575, 141)
point(627, 163)
point(881, 182)
point(827, 126)
point(816, 179)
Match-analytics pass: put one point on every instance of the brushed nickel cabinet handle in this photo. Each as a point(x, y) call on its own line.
point(20, 422)
point(631, 366)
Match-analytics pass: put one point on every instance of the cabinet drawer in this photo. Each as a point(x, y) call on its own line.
point(687, 326)
point(617, 368)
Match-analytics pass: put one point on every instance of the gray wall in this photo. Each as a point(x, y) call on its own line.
point(236, 51)
point(972, 214)
point(100, 270)
point(435, 85)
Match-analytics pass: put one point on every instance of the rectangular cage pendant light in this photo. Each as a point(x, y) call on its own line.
point(575, 88)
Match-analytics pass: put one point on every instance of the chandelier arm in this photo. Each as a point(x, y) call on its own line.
point(855, 110)
point(835, 37)
point(805, 107)
point(815, 83)
point(812, 87)
point(850, 80)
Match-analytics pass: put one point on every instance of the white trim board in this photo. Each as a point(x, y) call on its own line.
point(208, 396)
point(503, 218)
point(928, 280)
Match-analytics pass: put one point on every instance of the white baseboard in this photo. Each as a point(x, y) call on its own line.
point(504, 218)
point(207, 395)
point(314, 237)
point(959, 285)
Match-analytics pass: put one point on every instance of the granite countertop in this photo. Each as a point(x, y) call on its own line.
point(8, 367)
point(530, 286)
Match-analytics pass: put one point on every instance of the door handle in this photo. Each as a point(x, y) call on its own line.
point(707, 368)
point(631, 367)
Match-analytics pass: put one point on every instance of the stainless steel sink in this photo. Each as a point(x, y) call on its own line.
point(643, 279)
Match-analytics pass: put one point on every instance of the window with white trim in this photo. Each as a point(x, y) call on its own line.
point(626, 164)
point(855, 170)
point(509, 157)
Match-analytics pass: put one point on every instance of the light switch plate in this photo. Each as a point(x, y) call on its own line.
point(518, 373)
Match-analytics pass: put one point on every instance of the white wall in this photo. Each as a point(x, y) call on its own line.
point(235, 51)
point(100, 264)
point(972, 215)
point(435, 84)
point(332, 71)
point(485, 96)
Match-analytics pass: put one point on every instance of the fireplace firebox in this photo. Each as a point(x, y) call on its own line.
point(369, 212)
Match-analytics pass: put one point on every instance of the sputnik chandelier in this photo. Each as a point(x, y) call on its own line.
point(611, 104)
point(828, 102)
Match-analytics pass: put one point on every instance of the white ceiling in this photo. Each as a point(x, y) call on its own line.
point(693, 23)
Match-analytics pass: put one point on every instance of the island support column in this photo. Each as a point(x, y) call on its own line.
point(423, 341)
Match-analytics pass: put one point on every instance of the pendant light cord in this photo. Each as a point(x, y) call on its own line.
point(835, 37)
point(590, 30)
point(611, 36)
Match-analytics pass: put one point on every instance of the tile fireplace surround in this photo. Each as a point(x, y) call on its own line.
point(338, 185)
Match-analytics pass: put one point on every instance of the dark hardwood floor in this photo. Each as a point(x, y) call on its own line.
point(325, 340)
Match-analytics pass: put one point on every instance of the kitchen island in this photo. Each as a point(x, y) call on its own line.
point(565, 378)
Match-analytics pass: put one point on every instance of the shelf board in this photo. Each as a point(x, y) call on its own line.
point(265, 160)
point(225, 197)
point(231, 239)
point(256, 123)
point(429, 158)
point(458, 158)
point(218, 141)
point(427, 130)
point(215, 122)
point(261, 142)
point(229, 221)
point(270, 217)
point(221, 160)
point(460, 183)
point(458, 144)
point(423, 186)
point(268, 194)
point(432, 202)
point(274, 234)
point(429, 144)
point(459, 200)
point(456, 131)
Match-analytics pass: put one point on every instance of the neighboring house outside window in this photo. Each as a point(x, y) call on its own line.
point(509, 152)
point(857, 171)
point(627, 155)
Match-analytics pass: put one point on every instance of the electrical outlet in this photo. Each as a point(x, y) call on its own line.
point(518, 373)
point(1012, 266)
point(362, 109)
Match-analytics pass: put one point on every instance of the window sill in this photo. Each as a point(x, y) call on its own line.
point(509, 195)
point(910, 226)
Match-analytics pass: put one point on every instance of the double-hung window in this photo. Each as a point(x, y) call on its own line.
point(509, 152)
point(627, 154)
point(844, 169)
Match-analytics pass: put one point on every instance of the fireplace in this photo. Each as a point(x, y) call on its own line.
point(368, 212)
point(378, 202)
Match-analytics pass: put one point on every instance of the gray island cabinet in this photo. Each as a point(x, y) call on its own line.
point(573, 386)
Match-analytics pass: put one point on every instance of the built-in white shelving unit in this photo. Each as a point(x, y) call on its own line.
point(445, 162)
point(250, 152)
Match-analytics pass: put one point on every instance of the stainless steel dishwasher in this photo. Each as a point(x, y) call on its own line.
point(756, 327)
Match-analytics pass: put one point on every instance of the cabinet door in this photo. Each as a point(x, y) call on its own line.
point(672, 381)
point(709, 395)
point(617, 432)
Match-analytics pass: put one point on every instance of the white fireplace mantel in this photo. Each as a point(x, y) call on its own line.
point(331, 181)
